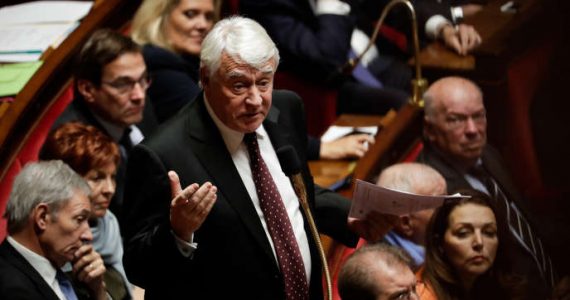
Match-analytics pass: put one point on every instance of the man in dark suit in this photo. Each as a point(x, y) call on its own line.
point(111, 80)
point(215, 239)
point(455, 132)
point(47, 217)
point(316, 38)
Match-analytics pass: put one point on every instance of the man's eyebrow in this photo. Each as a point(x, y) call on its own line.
point(234, 74)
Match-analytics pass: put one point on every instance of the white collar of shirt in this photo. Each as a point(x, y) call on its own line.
point(116, 132)
point(41, 264)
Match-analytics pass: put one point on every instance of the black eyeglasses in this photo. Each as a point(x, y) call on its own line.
point(125, 85)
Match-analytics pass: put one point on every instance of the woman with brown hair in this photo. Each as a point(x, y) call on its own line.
point(95, 157)
point(467, 253)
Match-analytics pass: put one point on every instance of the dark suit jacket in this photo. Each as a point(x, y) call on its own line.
point(79, 111)
point(18, 279)
point(234, 259)
point(174, 80)
point(316, 46)
point(522, 261)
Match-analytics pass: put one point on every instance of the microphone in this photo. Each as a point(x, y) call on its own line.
point(291, 166)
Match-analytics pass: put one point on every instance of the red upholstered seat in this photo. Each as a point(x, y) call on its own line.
point(31, 148)
point(320, 101)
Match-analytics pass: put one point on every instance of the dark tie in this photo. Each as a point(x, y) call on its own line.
point(125, 140)
point(65, 286)
point(278, 223)
point(518, 225)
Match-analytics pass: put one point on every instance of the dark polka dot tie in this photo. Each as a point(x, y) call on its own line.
point(278, 223)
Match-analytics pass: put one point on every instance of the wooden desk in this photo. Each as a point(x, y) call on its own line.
point(496, 29)
point(399, 131)
point(329, 172)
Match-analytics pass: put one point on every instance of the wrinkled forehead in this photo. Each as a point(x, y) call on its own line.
point(235, 67)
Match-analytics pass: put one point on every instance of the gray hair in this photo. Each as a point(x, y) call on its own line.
point(355, 280)
point(51, 182)
point(413, 177)
point(242, 39)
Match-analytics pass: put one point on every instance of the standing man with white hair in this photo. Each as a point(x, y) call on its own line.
point(47, 227)
point(236, 231)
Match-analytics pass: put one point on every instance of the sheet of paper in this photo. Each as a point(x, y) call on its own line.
point(13, 77)
point(31, 39)
point(44, 12)
point(335, 132)
point(369, 197)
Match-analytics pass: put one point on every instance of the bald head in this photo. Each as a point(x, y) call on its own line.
point(414, 178)
point(418, 179)
point(455, 119)
point(376, 272)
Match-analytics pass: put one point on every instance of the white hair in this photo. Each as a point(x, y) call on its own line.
point(242, 39)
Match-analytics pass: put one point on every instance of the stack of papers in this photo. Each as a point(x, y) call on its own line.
point(28, 29)
point(335, 132)
point(13, 77)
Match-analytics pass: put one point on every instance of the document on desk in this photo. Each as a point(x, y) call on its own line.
point(369, 198)
point(36, 12)
point(13, 77)
point(31, 38)
point(335, 132)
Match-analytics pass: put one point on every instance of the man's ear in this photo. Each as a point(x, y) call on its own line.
point(87, 89)
point(41, 216)
point(428, 129)
point(405, 227)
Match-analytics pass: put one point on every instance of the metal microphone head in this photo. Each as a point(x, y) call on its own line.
point(289, 160)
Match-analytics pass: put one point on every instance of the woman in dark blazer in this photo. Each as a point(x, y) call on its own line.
point(171, 32)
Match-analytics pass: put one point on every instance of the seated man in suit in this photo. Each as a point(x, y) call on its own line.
point(316, 38)
point(377, 271)
point(455, 132)
point(111, 80)
point(236, 230)
point(409, 233)
point(47, 217)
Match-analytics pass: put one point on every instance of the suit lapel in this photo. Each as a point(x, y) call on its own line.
point(207, 144)
point(20, 263)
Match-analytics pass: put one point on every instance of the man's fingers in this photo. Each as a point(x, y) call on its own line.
point(175, 186)
point(183, 197)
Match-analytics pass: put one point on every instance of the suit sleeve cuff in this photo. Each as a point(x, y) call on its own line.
point(434, 24)
point(332, 7)
point(185, 248)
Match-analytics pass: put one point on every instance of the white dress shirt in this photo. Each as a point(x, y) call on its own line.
point(240, 156)
point(40, 264)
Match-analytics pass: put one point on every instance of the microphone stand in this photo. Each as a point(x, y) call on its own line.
point(292, 167)
point(419, 84)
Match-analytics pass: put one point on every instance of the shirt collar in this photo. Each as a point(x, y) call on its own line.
point(232, 138)
point(115, 131)
point(41, 264)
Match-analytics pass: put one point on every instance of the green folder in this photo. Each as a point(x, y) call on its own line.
point(13, 77)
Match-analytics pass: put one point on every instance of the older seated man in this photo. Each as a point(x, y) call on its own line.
point(47, 217)
point(455, 132)
point(409, 233)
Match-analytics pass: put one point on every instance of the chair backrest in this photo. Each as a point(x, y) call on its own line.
point(320, 101)
point(31, 148)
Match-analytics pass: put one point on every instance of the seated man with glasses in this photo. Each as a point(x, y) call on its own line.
point(111, 80)
point(455, 139)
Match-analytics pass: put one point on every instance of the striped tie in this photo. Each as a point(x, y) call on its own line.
point(519, 226)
